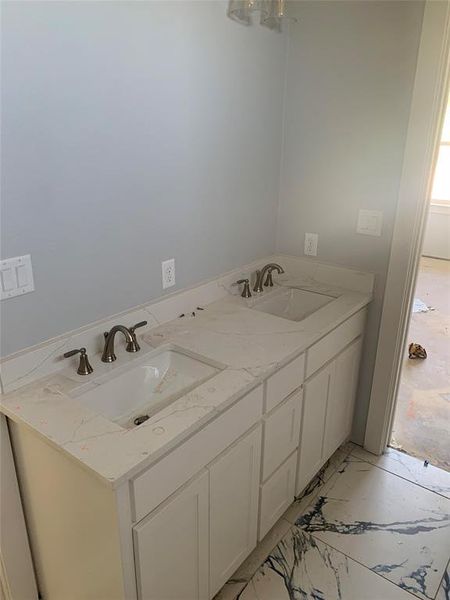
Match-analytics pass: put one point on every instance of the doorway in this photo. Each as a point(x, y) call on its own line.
point(422, 415)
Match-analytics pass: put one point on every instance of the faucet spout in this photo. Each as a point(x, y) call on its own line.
point(108, 355)
point(260, 276)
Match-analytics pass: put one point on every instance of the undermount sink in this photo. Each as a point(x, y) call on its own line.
point(292, 303)
point(145, 387)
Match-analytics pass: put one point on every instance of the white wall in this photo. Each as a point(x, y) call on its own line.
point(350, 76)
point(132, 132)
point(437, 234)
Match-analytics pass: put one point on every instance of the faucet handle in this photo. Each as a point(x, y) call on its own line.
point(246, 293)
point(140, 324)
point(269, 279)
point(134, 346)
point(84, 368)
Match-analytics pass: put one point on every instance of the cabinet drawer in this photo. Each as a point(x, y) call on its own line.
point(159, 481)
point(277, 494)
point(281, 432)
point(284, 382)
point(334, 342)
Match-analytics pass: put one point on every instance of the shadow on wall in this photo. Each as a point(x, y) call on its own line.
point(350, 77)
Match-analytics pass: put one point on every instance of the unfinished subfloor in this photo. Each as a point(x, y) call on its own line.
point(422, 418)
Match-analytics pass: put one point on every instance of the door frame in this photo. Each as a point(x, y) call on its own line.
point(17, 578)
point(428, 105)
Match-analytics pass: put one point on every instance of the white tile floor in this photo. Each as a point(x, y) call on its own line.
point(368, 528)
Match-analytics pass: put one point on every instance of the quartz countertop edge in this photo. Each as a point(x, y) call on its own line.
point(250, 344)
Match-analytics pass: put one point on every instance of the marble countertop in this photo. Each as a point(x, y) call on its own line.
point(250, 344)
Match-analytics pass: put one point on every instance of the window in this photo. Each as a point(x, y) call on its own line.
point(441, 183)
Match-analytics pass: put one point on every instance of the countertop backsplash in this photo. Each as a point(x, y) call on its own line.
point(38, 361)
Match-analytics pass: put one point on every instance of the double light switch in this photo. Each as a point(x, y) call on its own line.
point(16, 276)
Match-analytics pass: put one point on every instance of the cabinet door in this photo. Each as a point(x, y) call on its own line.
point(171, 546)
point(342, 398)
point(315, 401)
point(234, 486)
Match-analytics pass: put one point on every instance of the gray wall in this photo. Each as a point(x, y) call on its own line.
point(132, 132)
point(138, 131)
point(350, 76)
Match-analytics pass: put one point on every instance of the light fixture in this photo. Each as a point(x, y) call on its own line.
point(272, 12)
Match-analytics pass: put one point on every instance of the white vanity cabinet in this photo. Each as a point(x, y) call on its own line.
point(189, 546)
point(207, 527)
point(180, 527)
point(329, 396)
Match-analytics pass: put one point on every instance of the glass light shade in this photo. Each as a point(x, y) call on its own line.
point(240, 11)
point(272, 13)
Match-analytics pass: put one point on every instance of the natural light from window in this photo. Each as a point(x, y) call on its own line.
point(441, 182)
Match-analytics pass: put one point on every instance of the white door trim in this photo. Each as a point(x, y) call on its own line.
point(425, 122)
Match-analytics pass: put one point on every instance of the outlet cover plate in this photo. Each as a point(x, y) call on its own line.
point(168, 273)
point(311, 243)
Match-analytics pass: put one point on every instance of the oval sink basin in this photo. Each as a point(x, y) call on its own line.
point(145, 386)
point(292, 303)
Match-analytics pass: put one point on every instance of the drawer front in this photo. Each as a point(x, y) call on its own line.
point(159, 481)
point(326, 348)
point(284, 382)
point(281, 432)
point(277, 494)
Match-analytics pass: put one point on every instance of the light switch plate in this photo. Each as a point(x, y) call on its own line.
point(370, 222)
point(16, 276)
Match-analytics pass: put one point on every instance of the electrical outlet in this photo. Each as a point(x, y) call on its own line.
point(311, 242)
point(168, 273)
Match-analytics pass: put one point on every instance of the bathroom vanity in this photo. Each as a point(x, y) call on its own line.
point(255, 396)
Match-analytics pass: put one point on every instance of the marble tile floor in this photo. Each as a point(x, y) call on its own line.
point(366, 528)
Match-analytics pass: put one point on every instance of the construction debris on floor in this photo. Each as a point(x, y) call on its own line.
point(416, 351)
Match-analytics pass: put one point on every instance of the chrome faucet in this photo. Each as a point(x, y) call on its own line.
point(108, 355)
point(269, 281)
